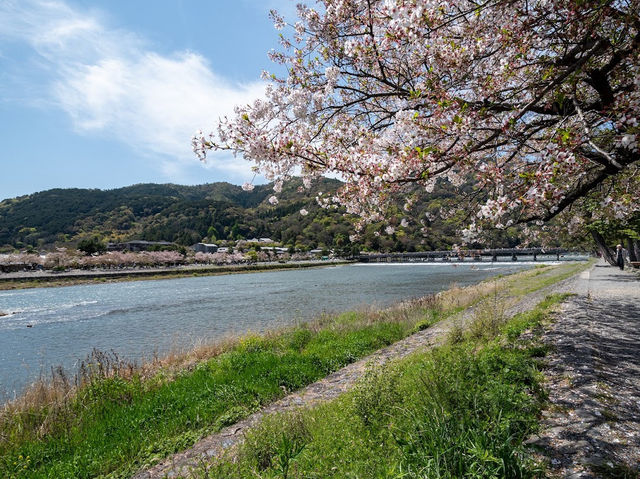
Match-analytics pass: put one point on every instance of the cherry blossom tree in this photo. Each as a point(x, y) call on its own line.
point(220, 258)
point(533, 102)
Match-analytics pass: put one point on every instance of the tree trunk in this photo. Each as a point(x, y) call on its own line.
point(605, 251)
point(632, 248)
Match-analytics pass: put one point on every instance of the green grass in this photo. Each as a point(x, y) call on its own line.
point(462, 410)
point(545, 276)
point(114, 423)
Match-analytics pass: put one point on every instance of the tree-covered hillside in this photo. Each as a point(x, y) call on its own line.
point(221, 212)
point(61, 215)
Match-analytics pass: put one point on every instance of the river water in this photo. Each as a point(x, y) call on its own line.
point(48, 327)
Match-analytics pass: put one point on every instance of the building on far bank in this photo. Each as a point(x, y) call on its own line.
point(259, 240)
point(274, 249)
point(205, 247)
point(140, 245)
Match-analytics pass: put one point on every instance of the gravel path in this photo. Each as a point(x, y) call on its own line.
point(332, 386)
point(592, 427)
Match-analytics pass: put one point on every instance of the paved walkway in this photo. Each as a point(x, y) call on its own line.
point(332, 386)
point(592, 428)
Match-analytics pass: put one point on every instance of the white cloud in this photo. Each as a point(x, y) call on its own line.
point(112, 83)
point(151, 102)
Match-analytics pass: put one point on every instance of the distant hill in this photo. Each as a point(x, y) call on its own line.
point(214, 212)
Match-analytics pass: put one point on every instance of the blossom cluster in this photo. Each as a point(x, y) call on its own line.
point(219, 258)
point(111, 260)
point(143, 259)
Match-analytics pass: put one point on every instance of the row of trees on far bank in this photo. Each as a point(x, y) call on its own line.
point(64, 260)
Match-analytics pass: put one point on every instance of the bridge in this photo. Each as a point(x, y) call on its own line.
point(509, 254)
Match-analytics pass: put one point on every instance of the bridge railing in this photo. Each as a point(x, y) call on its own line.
point(448, 255)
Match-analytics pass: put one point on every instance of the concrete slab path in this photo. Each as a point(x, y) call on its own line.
point(592, 427)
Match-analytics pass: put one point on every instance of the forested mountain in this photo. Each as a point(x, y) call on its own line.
point(214, 212)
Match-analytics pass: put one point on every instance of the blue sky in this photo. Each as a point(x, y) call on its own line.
point(104, 94)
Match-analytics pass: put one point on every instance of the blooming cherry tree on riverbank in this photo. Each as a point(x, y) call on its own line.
point(534, 102)
point(114, 260)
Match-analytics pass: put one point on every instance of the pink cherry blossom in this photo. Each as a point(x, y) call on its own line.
point(535, 104)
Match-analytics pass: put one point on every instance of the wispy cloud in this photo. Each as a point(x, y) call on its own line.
point(112, 83)
point(151, 102)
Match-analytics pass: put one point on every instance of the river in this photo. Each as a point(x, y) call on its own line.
point(48, 327)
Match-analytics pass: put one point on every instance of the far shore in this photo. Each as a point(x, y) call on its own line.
point(47, 279)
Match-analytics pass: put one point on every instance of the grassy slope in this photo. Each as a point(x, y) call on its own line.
point(462, 410)
point(116, 422)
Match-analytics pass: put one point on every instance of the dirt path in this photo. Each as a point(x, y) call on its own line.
point(332, 386)
point(592, 427)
